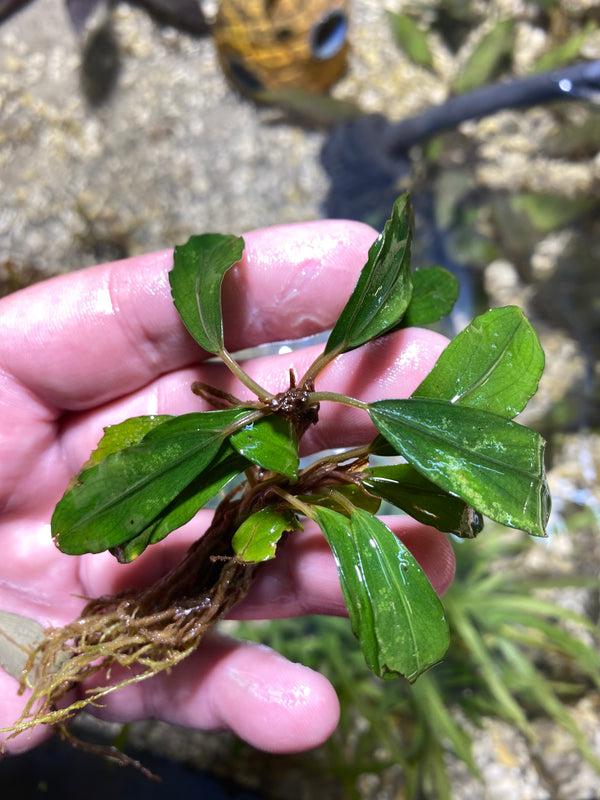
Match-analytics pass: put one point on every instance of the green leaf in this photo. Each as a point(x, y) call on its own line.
point(566, 52)
point(485, 60)
point(271, 442)
point(494, 464)
point(394, 611)
point(257, 537)
point(198, 270)
point(125, 434)
point(224, 468)
point(350, 491)
point(435, 291)
point(412, 39)
point(404, 487)
point(494, 364)
point(118, 498)
point(383, 291)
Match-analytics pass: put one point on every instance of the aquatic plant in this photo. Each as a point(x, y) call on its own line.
point(463, 456)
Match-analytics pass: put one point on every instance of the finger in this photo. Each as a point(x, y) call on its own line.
point(84, 338)
point(391, 367)
point(249, 689)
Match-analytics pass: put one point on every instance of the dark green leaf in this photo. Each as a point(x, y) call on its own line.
point(495, 364)
point(384, 287)
point(271, 442)
point(435, 291)
point(257, 537)
point(395, 613)
point(494, 464)
point(489, 53)
point(412, 39)
point(225, 466)
point(198, 270)
point(118, 498)
point(404, 487)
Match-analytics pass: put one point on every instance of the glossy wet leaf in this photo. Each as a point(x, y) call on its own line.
point(407, 489)
point(270, 442)
point(384, 287)
point(257, 537)
point(494, 464)
point(494, 364)
point(118, 498)
point(413, 40)
point(226, 465)
point(198, 270)
point(487, 57)
point(394, 611)
point(435, 291)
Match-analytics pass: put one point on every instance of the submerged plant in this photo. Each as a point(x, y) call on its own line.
point(463, 457)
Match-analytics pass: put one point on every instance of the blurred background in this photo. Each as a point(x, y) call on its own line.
point(127, 127)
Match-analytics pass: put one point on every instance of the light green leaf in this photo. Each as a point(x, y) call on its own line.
point(489, 53)
point(257, 537)
point(404, 487)
point(435, 291)
point(384, 287)
point(394, 611)
point(224, 468)
point(118, 498)
point(412, 39)
point(198, 270)
point(494, 464)
point(125, 434)
point(270, 442)
point(494, 364)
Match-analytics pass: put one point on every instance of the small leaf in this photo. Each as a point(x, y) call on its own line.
point(494, 464)
point(384, 287)
point(271, 442)
point(394, 611)
point(198, 270)
point(257, 537)
point(494, 364)
point(115, 500)
point(566, 52)
point(412, 39)
point(223, 469)
point(404, 487)
point(435, 291)
point(485, 60)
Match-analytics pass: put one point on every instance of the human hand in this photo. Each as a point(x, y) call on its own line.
point(91, 348)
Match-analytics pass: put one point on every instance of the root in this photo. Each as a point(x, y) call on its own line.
point(145, 631)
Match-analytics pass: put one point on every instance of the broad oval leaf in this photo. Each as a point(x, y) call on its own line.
point(118, 498)
point(270, 442)
point(383, 291)
point(198, 270)
point(494, 364)
point(435, 291)
point(404, 487)
point(494, 464)
point(226, 465)
point(395, 612)
point(257, 537)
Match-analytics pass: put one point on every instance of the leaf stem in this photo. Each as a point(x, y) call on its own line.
point(243, 376)
point(334, 397)
point(318, 365)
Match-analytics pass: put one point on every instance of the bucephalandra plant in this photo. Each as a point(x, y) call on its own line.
point(448, 455)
